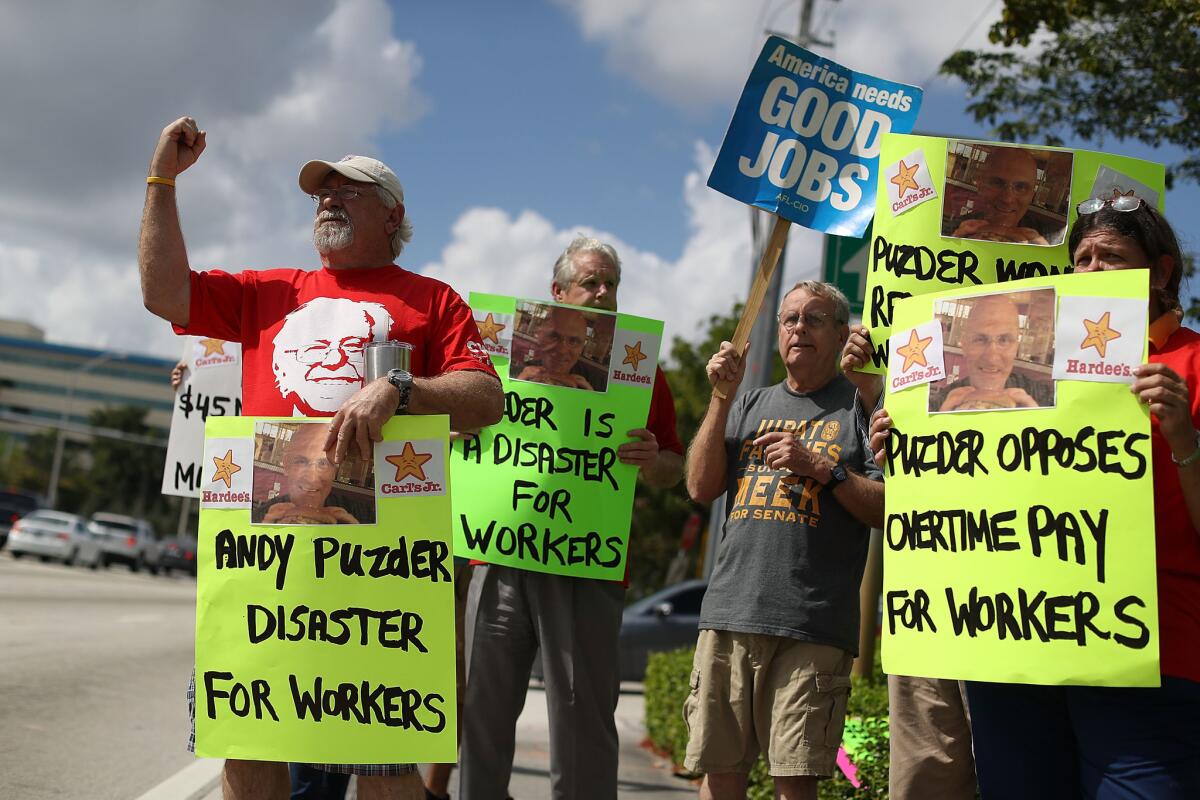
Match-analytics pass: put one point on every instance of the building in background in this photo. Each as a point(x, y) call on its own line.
point(44, 385)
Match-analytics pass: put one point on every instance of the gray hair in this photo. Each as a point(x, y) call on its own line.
point(841, 306)
point(564, 267)
point(403, 234)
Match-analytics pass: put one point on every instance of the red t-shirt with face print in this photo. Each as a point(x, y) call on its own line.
point(303, 332)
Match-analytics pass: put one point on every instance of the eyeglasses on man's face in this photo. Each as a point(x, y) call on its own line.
point(813, 320)
point(1122, 202)
point(997, 184)
point(343, 193)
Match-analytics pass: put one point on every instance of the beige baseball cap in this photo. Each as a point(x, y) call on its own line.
point(356, 168)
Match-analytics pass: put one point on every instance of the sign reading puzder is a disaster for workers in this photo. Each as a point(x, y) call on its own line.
point(543, 489)
point(804, 140)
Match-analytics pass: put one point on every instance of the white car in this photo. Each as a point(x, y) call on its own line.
point(52, 535)
point(126, 540)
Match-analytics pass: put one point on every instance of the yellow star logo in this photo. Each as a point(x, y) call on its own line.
point(634, 355)
point(409, 463)
point(914, 351)
point(213, 347)
point(1099, 334)
point(904, 178)
point(488, 328)
point(225, 469)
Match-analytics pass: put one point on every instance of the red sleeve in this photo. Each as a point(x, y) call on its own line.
point(661, 421)
point(455, 343)
point(216, 306)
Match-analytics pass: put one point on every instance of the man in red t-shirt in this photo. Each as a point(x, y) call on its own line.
point(575, 620)
point(303, 334)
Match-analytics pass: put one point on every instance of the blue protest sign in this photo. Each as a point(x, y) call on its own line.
point(804, 139)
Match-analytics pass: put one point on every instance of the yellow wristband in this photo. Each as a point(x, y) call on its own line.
point(163, 181)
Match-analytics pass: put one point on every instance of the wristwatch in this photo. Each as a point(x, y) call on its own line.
point(837, 474)
point(403, 381)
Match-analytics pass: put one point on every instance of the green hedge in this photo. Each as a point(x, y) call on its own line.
point(666, 687)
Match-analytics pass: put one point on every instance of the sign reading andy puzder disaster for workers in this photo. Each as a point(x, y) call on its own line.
point(804, 140)
point(1019, 530)
point(325, 602)
point(542, 489)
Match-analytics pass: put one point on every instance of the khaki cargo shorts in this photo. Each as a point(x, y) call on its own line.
point(755, 693)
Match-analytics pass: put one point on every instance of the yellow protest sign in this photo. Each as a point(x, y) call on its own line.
point(1019, 533)
point(957, 213)
point(325, 603)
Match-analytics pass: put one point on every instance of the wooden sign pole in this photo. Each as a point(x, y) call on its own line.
point(758, 290)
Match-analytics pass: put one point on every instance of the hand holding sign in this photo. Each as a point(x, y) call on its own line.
point(1166, 393)
point(726, 368)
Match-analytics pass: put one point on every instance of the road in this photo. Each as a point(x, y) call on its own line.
point(93, 674)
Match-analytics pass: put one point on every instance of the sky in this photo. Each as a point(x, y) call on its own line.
point(513, 126)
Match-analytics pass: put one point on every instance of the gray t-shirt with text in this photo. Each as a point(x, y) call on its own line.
point(791, 558)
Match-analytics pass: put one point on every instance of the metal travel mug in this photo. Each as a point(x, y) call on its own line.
point(379, 357)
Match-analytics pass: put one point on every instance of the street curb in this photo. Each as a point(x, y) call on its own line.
point(189, 783)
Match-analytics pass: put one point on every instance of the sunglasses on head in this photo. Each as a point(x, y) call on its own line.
point(1123, 202)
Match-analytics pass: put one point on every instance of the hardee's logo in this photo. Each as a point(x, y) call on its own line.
point(914, 351)
point(226, 469)
point(634, 355)
point(489, 328)
point(1099, 334)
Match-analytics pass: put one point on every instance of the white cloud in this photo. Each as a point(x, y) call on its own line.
point(493, 252)
point(698, 53)
point(272, 90)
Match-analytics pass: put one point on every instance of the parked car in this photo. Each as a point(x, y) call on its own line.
point(49, 535)
point(126, 540)
point(14, 504)
point(666, 620)
point(179, 552)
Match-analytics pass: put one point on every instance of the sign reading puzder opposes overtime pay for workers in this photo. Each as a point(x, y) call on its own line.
point(542, 489)
point(805, 136)
point(1019, 529)
point(325, 602)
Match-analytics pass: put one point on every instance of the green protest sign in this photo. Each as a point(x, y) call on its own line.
point(957, 213)
point(325, 603)
point(543, 490)
point(1019, 533)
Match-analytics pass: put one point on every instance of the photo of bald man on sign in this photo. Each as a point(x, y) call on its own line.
point(295, 483)
point(999, 352)
point(1001, 193)
point(562, 346)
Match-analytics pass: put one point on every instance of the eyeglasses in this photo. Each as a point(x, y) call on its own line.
point(997, 184)
point(344, 193)
point(553, 338)
point(1122, 202)
point(319, 351)
point(813, 320)
point(980, 341)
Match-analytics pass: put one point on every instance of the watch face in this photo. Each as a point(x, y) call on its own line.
point(838, 473)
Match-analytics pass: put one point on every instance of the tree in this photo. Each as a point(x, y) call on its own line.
point(1093, 69)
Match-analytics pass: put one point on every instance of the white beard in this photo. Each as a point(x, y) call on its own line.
point(329, 235)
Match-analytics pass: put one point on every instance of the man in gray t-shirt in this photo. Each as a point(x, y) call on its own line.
point(779, 624)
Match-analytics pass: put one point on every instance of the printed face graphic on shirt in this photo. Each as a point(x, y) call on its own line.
point(318, 357)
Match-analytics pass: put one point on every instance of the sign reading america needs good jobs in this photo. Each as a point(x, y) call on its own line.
point(805, 137)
